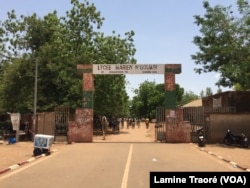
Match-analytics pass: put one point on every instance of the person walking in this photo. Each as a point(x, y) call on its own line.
point(138, 122)
point(122, 122)
point(147, 122)
point(104, 123)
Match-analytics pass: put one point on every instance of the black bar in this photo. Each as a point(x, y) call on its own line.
point(198, 179)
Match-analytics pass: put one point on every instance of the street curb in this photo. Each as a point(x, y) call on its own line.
point(12, 167)
point(234, 164)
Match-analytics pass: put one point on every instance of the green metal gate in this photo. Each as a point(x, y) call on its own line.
point(160, 126)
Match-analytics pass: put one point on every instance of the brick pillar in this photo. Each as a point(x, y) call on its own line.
point(170, 71)
point(81, 130)
point(176, 130)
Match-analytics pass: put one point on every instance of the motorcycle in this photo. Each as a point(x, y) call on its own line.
point(231, 139)
point(201, 137)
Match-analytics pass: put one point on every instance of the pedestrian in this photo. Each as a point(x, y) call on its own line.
point(147, 122)
point(104, 123)
point(138, 122)
point(122, 122)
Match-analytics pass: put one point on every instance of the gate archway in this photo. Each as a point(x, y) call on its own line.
point(81, 130)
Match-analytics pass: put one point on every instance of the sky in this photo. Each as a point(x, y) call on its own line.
point(164, 30)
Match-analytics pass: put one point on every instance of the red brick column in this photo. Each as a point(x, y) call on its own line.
point(176, 130)
point(81, 130)
point(170, 94)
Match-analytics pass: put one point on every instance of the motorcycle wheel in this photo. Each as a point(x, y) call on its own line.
point(226, 141)
point(245, 145)
point(37, 151)
point(201, 144)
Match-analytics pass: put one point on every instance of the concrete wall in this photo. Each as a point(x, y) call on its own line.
point(219, 123)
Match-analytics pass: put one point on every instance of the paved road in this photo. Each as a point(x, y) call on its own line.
point(116, 163)
point(22, 151)
point(111, 165)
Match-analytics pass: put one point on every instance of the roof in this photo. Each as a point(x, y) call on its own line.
point(195, 103)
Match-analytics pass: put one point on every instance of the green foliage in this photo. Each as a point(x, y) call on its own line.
point(224, 44)
point(5, 125)
point(149, 96)
point(58, 44)
point(179, 94)
point(208, 92)
point(110, 99)
point(219, 90)
point(188, 96)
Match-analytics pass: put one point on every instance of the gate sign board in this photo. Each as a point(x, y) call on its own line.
point(128, 69)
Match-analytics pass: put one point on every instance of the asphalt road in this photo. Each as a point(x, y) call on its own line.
point(114, 165)
point(121, 161)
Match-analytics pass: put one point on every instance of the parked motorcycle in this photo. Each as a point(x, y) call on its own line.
point(231, 139)
point(201, 137)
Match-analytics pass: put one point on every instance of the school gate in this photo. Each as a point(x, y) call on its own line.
point(81, 130)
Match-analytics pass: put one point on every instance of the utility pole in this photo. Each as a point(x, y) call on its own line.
point(35, 98)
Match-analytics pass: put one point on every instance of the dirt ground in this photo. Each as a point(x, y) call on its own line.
point(12, 154)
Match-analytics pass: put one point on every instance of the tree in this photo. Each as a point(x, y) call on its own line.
point(209, 91)
point(144, 103)
point(224, 44)
point(150, 95)
point(59, 44)
point(219, 90)
point(188, 96)
point(202, 94)
point(179, 94)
